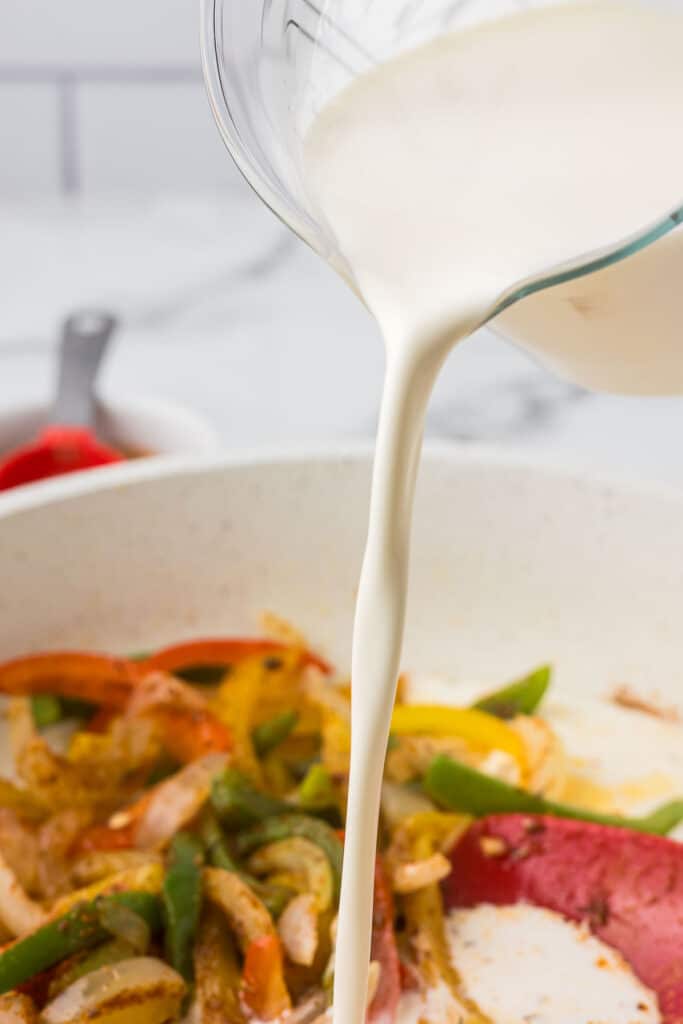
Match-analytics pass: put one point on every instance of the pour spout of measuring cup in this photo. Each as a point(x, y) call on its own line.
point(610, 322)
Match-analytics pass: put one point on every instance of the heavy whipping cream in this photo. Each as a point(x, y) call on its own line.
point(449, 176)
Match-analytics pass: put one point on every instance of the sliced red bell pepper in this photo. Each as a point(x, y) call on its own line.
point(190, 733)
point(188, 728)
point(96, 678)
point(263, 992)
point(186, 733)
point(99, 838)
point(223, 652)
point(96, 838)
point(626, 886)
point(384, 950)
point(101, 720)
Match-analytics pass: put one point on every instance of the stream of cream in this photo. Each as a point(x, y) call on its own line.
point(447, 176)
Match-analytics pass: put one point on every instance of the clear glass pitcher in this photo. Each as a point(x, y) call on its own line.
point(271, 65)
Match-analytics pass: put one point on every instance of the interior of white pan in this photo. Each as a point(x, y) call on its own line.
point(513, 564)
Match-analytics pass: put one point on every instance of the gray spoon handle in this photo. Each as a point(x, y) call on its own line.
point(85, 337)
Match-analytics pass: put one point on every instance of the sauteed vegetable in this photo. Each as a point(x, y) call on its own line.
point(171, 839)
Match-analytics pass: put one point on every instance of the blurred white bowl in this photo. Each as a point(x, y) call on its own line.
point(514, 562)
point(137, 426)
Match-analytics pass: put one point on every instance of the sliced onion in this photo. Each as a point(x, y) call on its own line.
point(546, 756)
point(16, 1008)
point(123, 923)
point(327, 695)
point(18, 912)
point(374, 972)
point(142, 990)
point(19, 845)
point(177, 801)
point(309, 1009)
point(246, 914)
point(303, 860)
point(55, 840)
point(161, 688)
point(101, 864)
point(297, 927)
point(21, 726)
point(399, 802)
point(410, 876)
point(501, 765)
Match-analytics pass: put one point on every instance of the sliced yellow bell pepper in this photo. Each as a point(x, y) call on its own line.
point(142, 878)
point(426, 931)
point(234, 705)
point(85, 746)
point(477, 728)
point(25, 804)
point(435, 830)
point(336, 744)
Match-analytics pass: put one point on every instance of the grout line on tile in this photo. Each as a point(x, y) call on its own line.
point(117, 74)
point(69, 147)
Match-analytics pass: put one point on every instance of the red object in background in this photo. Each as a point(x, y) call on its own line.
point(68, 444)
point(627, 886)
point(57, 450)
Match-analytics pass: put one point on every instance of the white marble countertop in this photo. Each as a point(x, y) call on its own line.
point(225, 311)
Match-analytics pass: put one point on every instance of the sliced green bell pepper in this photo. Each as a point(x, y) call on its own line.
point(458, 787)
point(275, 897)
point(78, 929)
point(182, 901)
point(269, 735)
point(283, 827)
point(522, 697)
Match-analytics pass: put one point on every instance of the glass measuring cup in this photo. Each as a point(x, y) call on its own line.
point(271, 65)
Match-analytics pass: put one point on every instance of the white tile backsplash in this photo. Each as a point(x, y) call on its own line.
point(29, 139)
point(81, 33)
point(149, 138)
point(105, 96)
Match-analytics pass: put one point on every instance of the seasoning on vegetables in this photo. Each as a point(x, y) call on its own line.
point(140, 990)
point(78, 929)
point(181, 854)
